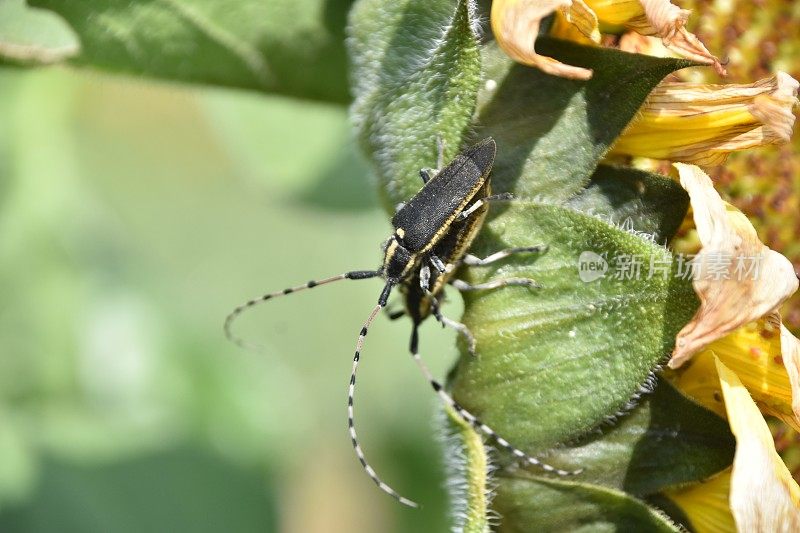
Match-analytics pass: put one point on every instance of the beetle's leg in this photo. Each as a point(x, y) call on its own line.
point(478, 203)
point(500, 197)
point(394, 315)
point(397, 314)
point(438, 264)
point(426, 174)
point(473, 421)
point(472, 260)
point(425, 285)
point(469, 210)
point(425, 278)
point(464, 331)
point(435, 311)
point(496, 284)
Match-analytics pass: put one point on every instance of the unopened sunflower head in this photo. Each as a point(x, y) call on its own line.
point(701, 123)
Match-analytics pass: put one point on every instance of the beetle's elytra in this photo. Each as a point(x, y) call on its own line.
point(432, 234)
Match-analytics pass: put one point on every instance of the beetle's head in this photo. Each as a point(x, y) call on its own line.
point(398, 260)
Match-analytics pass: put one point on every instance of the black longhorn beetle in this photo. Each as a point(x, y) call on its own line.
point(432, 233)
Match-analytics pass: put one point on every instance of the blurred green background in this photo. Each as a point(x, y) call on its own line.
point(133, 217)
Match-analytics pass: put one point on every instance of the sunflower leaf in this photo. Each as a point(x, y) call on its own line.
point(648, 203)
point(34, 36)
point(554, 362)
point(281, 46)
point(543, 505)
point(416, 70)
point(664, 441)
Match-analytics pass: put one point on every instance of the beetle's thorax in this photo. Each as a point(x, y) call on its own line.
point(398, 261)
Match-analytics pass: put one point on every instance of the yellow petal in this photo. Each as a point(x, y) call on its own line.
point(754, 353)
point(765, 356)
point(616, 12)
point(515, 24)
point(790, 354)
point(576, 23)
point(706, 505)
point(656, 17)
point(764, 497)
point(698, 380)
point(737, 278)
point(701, 123)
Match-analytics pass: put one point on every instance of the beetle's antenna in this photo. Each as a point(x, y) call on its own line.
point(351, 394)
point(473, 421)
point(233, 315)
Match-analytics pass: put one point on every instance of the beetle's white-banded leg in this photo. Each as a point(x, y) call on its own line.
point(436, 311)
point(473, 421)
point(425, 285)
point(425, 279)
point(427, 173)
point(438, 264)
point(496, 284)
point(472, 260)
point(464, 331)
point(499, 197)
point(463, 215)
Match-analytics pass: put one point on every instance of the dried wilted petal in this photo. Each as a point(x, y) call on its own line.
point(764, 496)
point(661, 18)
point(737, 278)
point(668, 21)
point(705, 504)
point(701, 123)
point(515, 24)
